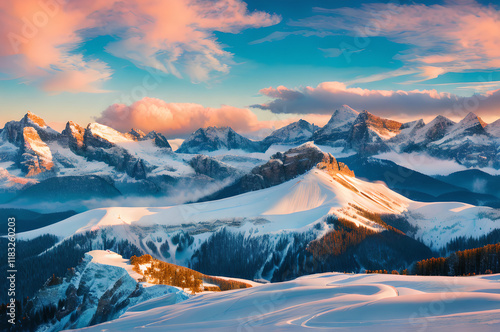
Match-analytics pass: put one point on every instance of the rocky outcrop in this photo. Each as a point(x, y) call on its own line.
point(212, 168)
point(283, 167)
point(369, 132)
point(35, 156)
point(74, 135)
point(159, 140)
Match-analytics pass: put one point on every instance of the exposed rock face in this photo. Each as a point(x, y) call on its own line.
point(35, 155)
point(75, 135)
point(333, 167)
point(94, 293)
point(283, 167)
point(137, 133)
point(215, 138)
point(212, 168)
point(286, 166)
point(159, 140)
point(367, 131)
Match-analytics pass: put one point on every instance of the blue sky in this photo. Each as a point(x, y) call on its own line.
point(297, 45)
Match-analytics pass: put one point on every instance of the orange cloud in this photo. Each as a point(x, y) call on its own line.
point(181, 119)
point(38, 38)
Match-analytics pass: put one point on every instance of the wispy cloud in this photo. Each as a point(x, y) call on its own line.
point(39, 39)
point(454, 37)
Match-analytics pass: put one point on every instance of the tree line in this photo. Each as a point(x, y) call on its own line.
point(483, 260)
point(159, 272)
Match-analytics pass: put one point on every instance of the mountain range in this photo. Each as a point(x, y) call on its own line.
point(35, 159)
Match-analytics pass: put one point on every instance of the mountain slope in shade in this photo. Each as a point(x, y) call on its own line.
point(215, 138)
point(101, 288)
point(493, 128)
point(135, 163)
point(416, 137)
point(295, 133)
point(335, 131)
point(475, 181)
point(398, 178)
point(469, 143)
point(332, 301)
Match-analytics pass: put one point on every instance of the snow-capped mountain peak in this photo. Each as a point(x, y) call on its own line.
point(470, 125)
point(296, 132)
point(471, 120)
point(334, 132)
point(217, 138)
point(342, 116)
point(30, 119)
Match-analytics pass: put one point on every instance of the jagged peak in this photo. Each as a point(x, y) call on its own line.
point(30, 117)
point(472, 119)
point(441, 119)
point(413, 124)
point(375, 120)
point(137, 133)
point(71, 124)
point(342, 115)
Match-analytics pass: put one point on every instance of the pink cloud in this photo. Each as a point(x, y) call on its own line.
point(38, 38)
point(453, 37)
point(181, 119)
point(399, 104)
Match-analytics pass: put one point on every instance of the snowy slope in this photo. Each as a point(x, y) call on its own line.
point(293, 205)
point(331, 301)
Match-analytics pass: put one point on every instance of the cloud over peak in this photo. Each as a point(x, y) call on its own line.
point(329, 96)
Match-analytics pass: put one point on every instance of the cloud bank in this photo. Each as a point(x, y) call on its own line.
point(181, 119)
point(39, 39)
point(328, 96)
